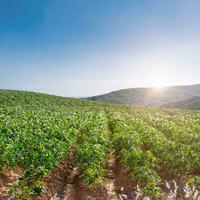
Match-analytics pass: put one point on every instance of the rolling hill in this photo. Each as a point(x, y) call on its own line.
point(192, 103)
point(149, 96)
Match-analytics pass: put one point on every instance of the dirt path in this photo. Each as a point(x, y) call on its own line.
point(70, 190)
point(111, 176)
point(59, 184)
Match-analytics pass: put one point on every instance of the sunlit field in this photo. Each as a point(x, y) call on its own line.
point(99, 100)
point(48, 143)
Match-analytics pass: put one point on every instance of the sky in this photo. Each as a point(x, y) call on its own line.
point(82, 48)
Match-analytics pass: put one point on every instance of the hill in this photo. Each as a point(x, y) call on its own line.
point(149, 96)
point(32, 99)
point(192, 103)
point(64, 148)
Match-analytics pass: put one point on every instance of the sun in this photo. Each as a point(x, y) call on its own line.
point(159, 79)
point(158, 84)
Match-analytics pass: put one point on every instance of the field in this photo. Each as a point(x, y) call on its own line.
point(61, 148)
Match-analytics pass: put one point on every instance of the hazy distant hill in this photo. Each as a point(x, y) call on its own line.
point(149, 96)
point(192, 103)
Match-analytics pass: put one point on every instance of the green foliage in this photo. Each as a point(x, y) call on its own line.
point(37, 131)
point(93, 149)
point(194, 180)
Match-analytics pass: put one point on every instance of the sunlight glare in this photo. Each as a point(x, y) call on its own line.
point(159, 79)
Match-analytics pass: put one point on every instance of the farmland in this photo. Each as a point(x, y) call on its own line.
point(49, 144)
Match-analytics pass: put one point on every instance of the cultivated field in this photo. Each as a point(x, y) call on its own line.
point(61, 148)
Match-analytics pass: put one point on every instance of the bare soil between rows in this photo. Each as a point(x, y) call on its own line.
point(65, 183)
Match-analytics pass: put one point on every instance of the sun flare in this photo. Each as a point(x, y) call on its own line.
point(159, 79)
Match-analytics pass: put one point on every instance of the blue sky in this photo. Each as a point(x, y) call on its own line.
point(89, 47)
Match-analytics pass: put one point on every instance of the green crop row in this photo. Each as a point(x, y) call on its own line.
point(37, 131)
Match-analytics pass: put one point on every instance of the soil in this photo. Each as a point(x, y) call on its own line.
point(65, 183)
point(8, 177)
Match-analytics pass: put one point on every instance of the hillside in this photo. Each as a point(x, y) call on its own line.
point(149, 96)
point(192, 103)
point(32, 99)
point(64, 148)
